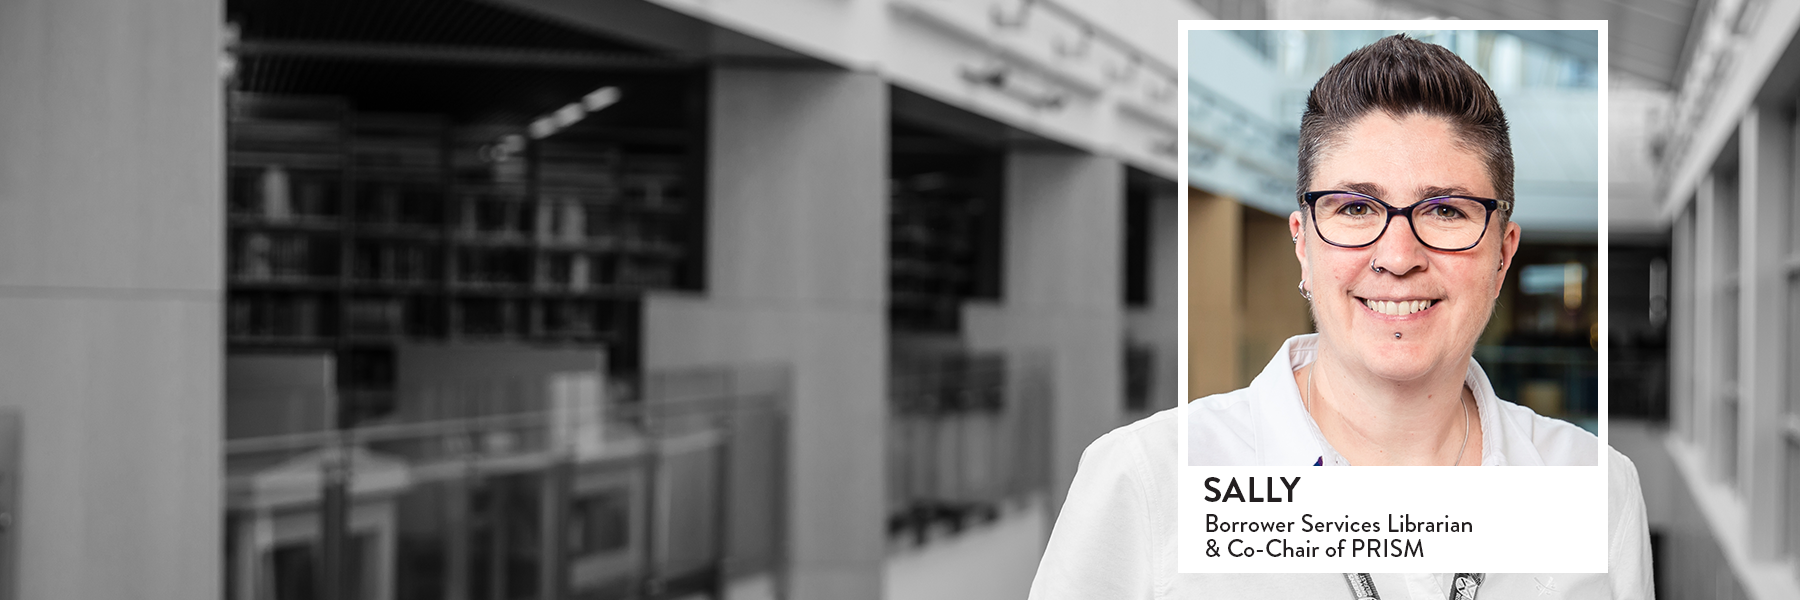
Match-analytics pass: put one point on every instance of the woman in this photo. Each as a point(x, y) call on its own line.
point(1404, 238)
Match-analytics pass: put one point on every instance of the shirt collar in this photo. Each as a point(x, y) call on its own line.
point(1287, 435)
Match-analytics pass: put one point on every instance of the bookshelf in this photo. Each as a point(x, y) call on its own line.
point(944, 226)
point(284, 209)
point(357, 231)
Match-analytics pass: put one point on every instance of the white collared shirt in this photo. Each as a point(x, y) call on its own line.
point(1267, 424)
point(1115, 535)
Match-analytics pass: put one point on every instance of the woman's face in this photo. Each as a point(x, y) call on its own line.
point(1402, 161)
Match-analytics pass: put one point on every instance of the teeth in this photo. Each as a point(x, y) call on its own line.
point(1398, 309)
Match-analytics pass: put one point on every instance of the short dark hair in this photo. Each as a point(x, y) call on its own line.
point(1400, 76)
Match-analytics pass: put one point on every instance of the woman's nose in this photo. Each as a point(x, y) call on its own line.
point(1398, 252)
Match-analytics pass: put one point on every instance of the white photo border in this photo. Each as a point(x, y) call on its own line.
point(1543, 519)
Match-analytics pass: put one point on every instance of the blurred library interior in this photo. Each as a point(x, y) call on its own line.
point(541, 300)
point(510, 299)
point(400, 299)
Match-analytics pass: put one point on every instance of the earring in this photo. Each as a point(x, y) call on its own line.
point(1296, 239)
point(1303, 291)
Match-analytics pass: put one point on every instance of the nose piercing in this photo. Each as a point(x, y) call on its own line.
point(1396, 335)
point(1375, 268)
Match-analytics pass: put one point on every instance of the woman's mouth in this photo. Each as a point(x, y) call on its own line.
point(1398, 308)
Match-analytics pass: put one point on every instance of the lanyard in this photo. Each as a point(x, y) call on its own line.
point(1462, 587)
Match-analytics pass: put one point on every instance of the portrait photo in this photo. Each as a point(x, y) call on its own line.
point(1392, 250)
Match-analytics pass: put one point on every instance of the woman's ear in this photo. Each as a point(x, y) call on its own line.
point(1509, 245)
point(1297, 228)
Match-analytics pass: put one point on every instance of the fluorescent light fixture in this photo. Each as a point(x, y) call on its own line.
point(542, 128)
point(573, 112)
point(600, 98)
point(569, 114)
point(512, 144)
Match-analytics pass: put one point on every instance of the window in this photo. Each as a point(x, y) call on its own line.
point(1682, 330)
point(1724, 444)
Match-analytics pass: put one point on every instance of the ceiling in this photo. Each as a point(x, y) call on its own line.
point(411, 22)
point(470, 62)
point(1647, 38)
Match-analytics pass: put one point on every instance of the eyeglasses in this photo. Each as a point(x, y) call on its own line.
point(1444, 223)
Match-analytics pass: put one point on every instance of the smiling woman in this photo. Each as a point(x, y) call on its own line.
point(1403, 237)
point(1398, 314)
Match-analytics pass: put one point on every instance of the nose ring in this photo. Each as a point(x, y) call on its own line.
point(1375, 268)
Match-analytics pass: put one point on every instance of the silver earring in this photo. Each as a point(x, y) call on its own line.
point(1303, 292)
point(1296, 239)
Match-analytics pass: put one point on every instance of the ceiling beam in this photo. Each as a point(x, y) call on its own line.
point(458, 55)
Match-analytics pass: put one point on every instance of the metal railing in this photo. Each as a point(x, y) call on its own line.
point(677, 490)
point(967, 434)
point(1560, 382)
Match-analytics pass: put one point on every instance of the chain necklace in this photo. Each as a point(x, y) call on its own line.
point(1306, 402)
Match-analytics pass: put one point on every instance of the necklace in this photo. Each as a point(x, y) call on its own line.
point(1306, 402)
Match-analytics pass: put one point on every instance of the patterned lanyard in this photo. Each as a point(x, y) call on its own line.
point(1463, 586)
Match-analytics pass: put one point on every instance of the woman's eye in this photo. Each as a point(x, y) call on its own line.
point(1444, 211)
point(1357, 209)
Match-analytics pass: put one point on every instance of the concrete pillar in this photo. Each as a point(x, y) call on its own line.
point(1682, 333)
point(797, 274)
point(1766, 163)
point(1272, 309)
point(1727, 327)
point(111, 244)
point(1064, 245)
point(1215, 284)
point(1706, 281)
point(1160, 322)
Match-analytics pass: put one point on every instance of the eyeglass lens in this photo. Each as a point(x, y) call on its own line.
point(1443, 223)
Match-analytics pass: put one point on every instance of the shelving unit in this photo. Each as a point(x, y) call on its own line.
point(357, 231)
point(943, 228)
point(284, 210)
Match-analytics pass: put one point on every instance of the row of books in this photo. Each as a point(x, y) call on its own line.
point(283, 255)
point(289, 316)
point(277, 193)
point(575, 271)
point(506, 317)
point(396, 262)
point(562, 219)
point(305, 317)
point(376, 316)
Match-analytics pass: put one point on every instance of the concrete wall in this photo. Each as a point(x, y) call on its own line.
point(111, 225)
point(1064, 223)
point(797, 274)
